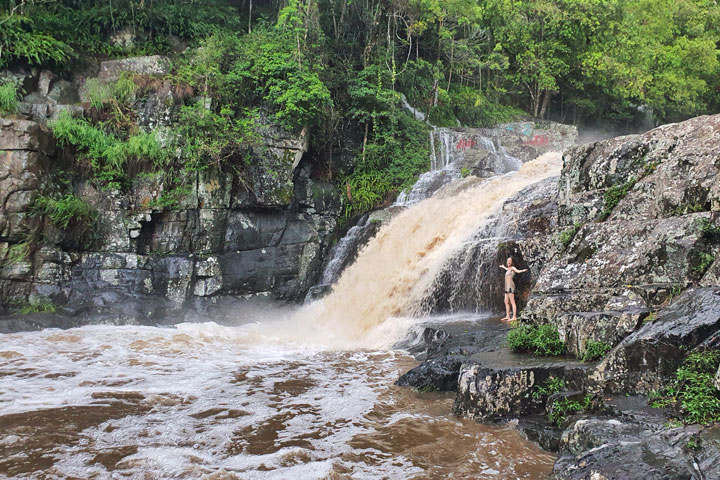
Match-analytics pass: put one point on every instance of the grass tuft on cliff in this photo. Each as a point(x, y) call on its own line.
point(541, 340)
point(693, 392)
point(595, 350)
point(8, 98)
point(66, 210)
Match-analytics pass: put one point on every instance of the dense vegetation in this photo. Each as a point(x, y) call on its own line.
point(543, 340)
point(693, 392)
point(340, 68)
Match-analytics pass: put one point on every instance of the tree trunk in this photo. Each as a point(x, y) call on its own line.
point(545, 103)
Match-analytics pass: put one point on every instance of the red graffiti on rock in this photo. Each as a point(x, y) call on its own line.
point(538, 141)
point(464, 143)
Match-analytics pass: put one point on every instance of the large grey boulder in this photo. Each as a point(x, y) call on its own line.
point(645, 360)
point(156, 65)
point(622, 262)
point(634, 447)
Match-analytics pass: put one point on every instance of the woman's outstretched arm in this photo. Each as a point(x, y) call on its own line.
point(503, 267)
point(519, 271)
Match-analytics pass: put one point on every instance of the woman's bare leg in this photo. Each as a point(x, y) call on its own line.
point(514, 308)
point(507, 308)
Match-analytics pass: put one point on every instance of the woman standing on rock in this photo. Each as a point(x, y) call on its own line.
point(510, 272)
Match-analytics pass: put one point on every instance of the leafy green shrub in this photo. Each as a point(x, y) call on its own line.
point(563, 407)
point(567, 235)
point(38, 305)
point(109, 157)
point(465, 172)
point(652, 316)
point(121, 91)
point(595, 350)
point(67, 210)
point(614, 194)
point(552, 385)
point(542, 340)
point(474, 109)
point(9, 96)
point(210, 139)
point(261, 67)
point(21, 40)
point(693, 391)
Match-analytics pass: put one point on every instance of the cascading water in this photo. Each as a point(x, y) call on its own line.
point(393, 273)
point(306, 394)
point(451, 152)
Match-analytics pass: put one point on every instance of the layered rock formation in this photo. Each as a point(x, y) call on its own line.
point(260, 231)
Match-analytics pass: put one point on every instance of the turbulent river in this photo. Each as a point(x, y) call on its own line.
point(296, 395)
point(207, 401)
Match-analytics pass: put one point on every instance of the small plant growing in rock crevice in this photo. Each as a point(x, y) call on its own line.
point(693, 392)
point(563, 407)
point(9, 98)
point(704, 260)
point(652, 316)
point(18, 253)
point(542, 340)
point(66, 210)
point(566, 236)
point(613, 195)
point(38, 305)
point(551, 385)
point(709, 230)
point(595, 350)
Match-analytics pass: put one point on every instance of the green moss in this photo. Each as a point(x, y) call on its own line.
point(613, 195)
point(541, 340)
point(595, 350)
point(566, 236)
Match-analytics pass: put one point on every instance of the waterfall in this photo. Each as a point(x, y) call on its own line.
point(341, 254)
point(395, 271)
point(416, 113)
point(451, 151)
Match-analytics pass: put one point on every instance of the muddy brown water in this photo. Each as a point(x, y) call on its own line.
point(203, 401)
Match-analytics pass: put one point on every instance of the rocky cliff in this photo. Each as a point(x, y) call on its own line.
point(623, 252)
point(261, 231)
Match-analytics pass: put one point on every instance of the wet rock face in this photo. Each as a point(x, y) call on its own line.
point(632, 209)
point(263, 233)
point(650, 356)
point(523, 230)
point(487, 392)
point(610, 448)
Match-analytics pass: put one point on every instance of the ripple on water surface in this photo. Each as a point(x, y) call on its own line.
point(198, 401)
